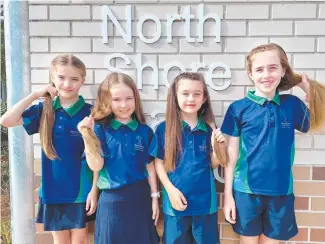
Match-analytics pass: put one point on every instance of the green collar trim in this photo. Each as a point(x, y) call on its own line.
point(200, 125)
point(261, 100)
point(133, 124)
point(73, 109)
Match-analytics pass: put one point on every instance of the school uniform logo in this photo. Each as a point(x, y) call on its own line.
point(285, 123)
point(139, 144)
point(203, 146)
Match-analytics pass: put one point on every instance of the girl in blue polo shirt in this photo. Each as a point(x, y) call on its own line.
point(184, 158)
point(117, 148)
point(259, 199)
point(67, 195)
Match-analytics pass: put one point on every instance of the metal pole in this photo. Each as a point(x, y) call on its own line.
point(20, 145)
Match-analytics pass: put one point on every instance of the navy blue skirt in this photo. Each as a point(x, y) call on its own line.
point(125, 216)
point(67, 216)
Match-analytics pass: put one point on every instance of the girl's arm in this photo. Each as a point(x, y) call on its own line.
point(13, 117)
point(152, 179)
point(176, 197)
point(95, 179)
point(95, 162)
point(92, 198)
point(229, 204)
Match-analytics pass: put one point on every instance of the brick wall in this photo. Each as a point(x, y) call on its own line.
point(299, 26)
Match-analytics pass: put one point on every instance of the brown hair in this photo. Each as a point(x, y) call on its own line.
point(173, 136)
point(316, 94)
point(102, 112)
point(48, 116)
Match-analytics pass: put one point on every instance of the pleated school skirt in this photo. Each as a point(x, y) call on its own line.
point(124, 216)
point(58, 217)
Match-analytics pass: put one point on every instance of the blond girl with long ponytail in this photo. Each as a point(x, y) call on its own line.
point(68, 192)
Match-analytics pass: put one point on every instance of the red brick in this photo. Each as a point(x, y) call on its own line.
point(301, 172)
point(318, 203)
point(317, 235)
point(318, 173)
point(309, 188)
point(302, 203)
point(310, 219)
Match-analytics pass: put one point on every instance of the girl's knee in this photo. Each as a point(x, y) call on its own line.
point(79, 236)
point(249, 239)
point(61, 237)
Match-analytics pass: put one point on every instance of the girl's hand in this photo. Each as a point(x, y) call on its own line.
point(155, 209)
point(86, 122)
point(47, 89)
point(217, 134)
point(229, 209)
point(91, 203)
point(304, 84)
point(177, 198)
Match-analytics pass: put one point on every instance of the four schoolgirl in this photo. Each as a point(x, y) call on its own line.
point(115, 151)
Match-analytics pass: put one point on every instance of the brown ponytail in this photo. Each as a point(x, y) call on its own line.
point(46, 127)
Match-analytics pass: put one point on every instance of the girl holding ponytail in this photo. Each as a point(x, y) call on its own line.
point(259, 195)
point(68, 193)
point(116, 145)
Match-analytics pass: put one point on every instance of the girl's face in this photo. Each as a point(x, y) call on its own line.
point(190, 96)
point(266, 71)
point(68, 80)
point(123, 102)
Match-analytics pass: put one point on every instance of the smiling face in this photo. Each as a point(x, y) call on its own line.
point(190, 96)
point(123, 102)
point(266, 72)
point(68, 80)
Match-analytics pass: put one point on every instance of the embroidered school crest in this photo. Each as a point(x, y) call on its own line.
point(139, 144)
point(285, 123)
point(203, 146)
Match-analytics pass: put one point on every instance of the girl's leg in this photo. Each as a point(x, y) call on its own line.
point(265, 240)
point(61, 237)
point(79, 236)
point(249, 239)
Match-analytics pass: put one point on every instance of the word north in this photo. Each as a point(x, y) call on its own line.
point(186, 16)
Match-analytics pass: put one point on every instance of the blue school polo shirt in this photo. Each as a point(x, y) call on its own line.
point(193, 174)
point(266, 152)
point(66, 179)
point(125, 152)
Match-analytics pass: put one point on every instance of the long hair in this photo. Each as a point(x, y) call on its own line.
point(316, 94)
point(102, 112)
point(173, 135)
point(48, 115)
